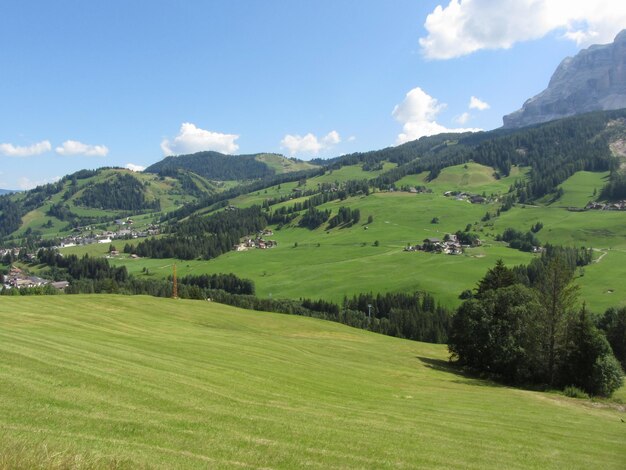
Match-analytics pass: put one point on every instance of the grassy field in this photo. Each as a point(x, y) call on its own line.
point(140, 382)
point(582, 187)
point(281, 164)
point(344, 261)
point(470, 177)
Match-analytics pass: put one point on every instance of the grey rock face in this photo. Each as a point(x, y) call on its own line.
point(593, 80)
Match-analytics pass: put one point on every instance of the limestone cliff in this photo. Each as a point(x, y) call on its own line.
point(593, 80)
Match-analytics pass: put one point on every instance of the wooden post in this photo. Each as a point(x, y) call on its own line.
point(175, 286)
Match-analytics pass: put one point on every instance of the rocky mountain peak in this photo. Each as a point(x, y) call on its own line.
point(593, 80)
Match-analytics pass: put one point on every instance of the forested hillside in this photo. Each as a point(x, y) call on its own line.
point(217, 166)
point(98, 197)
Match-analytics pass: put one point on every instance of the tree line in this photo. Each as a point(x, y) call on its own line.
point(534, 332)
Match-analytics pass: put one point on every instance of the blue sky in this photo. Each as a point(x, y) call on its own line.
point(117, 83)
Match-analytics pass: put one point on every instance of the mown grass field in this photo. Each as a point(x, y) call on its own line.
point(140, 382)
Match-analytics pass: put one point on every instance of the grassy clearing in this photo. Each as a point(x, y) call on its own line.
point(183, 384)
point(471, 177)
point(282, 164)
point(582, 187)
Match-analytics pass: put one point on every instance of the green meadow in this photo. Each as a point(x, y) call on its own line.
point(333, 263)
point(470, 177)
point(582, 187)
point(140, 382)
point(167, 190)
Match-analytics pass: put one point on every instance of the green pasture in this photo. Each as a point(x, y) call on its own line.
point(139, 382)
point(347, 173)
point(598, 229)
point(579, 189)
point(281, 165)
point(344, 261)
point(470, 177)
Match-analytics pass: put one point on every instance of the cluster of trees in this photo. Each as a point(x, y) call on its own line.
point(61, 211)
point(214, 166)
point(203, 237)
point(313, 218)
point(572, 257)
point(519, 240)
point(73, 268)
point(613, 323)
point(190, 185)
point(345, 217)
point(533, 334)
point(88, 275)
point(226, 282)
point(414, 316)
point(10, 216)
point(465, 238)
point(121, 192)
point(615, 189)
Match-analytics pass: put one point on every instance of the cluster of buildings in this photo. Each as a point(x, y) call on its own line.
point(17, 279)
point(461, 196)
point(108, 236)
point(257, 241)
point(613, 206)
point(450, 245)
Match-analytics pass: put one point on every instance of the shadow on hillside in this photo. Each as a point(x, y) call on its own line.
point(464, 377)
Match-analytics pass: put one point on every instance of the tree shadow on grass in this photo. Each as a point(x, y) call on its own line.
point(463, 376)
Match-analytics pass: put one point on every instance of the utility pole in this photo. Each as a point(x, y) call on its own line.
point(175, 286)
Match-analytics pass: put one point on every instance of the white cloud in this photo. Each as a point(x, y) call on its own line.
point(463, 118)
point(478, 104)
point(417, 113)
point(466, 26)
point(11, 150)
point(133, 167)
point(26, 183)
point(74, 147)
point(192, 139)
point(309, 144)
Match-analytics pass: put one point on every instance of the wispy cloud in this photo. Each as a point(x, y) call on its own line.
point(11, 150)
point(74, 147)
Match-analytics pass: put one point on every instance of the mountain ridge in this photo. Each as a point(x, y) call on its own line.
point(218, 166)
point(592, 80)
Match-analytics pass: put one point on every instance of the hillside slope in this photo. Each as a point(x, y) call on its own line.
point(99, 196)
point(143, 381)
